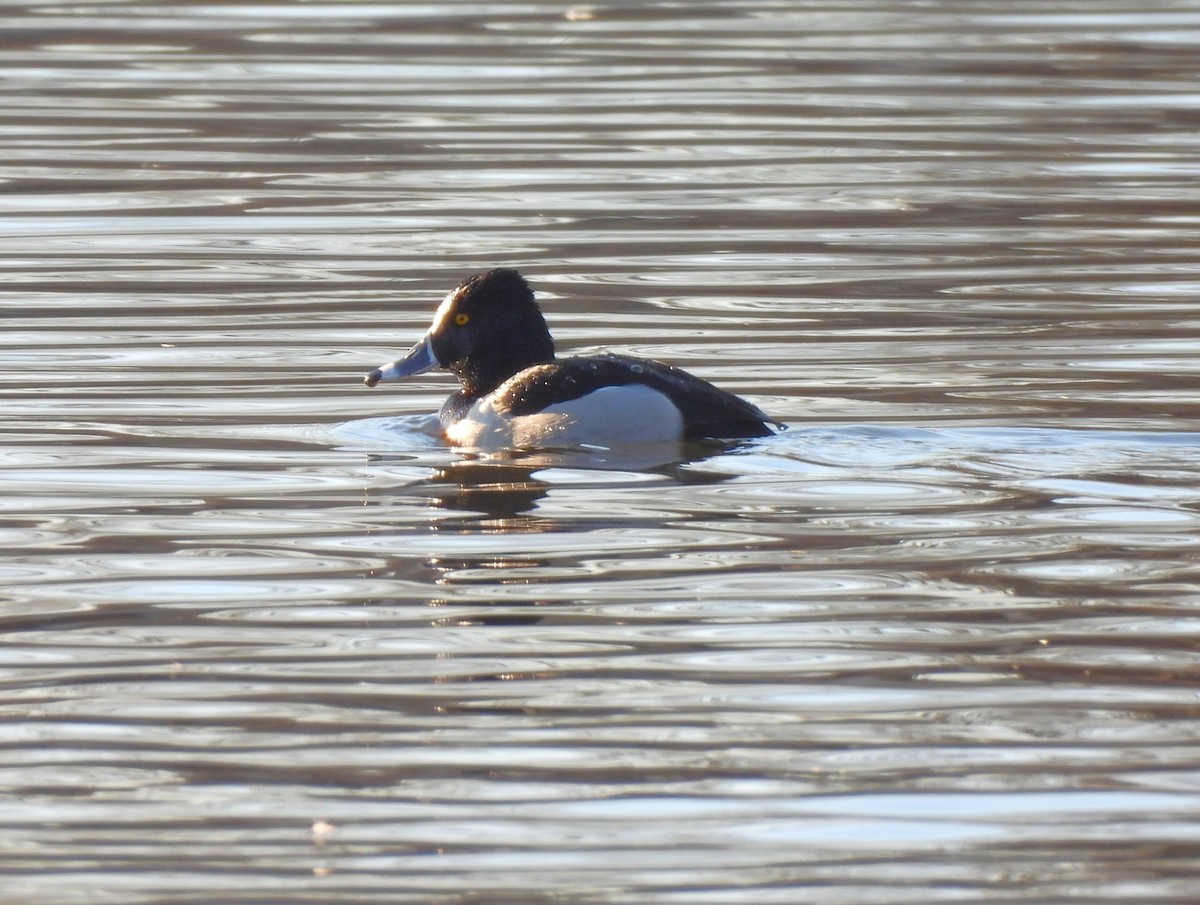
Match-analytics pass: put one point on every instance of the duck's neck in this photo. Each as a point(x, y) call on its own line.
point(479, 376)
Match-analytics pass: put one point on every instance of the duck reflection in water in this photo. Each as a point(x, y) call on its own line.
point(495, 491)
point(501, 494)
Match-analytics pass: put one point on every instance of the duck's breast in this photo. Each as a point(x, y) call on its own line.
point(608, 416)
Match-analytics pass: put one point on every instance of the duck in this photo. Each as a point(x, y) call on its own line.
point(514, 392)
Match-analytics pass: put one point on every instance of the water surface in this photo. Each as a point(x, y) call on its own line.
point(267, 639)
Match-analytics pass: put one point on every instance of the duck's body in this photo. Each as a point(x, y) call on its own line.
point(490, 332)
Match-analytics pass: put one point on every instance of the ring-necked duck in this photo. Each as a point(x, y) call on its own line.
point(490, 332)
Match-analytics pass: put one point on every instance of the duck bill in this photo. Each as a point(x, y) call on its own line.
point(417, 360)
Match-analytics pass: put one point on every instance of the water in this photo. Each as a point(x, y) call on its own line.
point(267, 640)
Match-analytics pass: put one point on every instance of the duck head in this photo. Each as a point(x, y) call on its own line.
point(488, 328)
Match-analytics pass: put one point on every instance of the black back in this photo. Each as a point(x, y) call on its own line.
point(708, 412)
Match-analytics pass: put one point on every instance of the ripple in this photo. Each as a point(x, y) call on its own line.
point(395, 432)
point(199, 592)
point(181, 481)
point(31, 571)
point(378, 615)
point(721, 590)
point(1131, 517)
point(1086, 570)
point(546, 545)
point(864, 494)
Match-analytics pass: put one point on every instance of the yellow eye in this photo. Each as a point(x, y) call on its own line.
point(461, 319)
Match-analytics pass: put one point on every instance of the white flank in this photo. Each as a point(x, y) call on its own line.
point(608, 417)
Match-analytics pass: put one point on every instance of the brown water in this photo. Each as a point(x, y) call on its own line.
point(267, 640)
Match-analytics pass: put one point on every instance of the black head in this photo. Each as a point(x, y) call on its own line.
point(488, 328)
